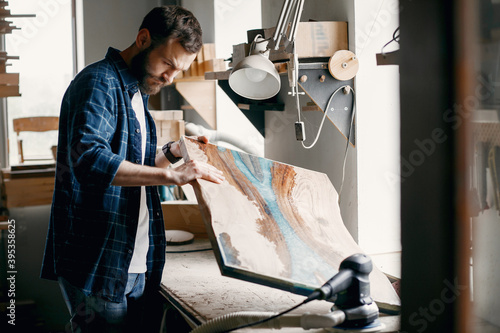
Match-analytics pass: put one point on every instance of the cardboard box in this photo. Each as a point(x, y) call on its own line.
point(214, 65)
point(321, 39)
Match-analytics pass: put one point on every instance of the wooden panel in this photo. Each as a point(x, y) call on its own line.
point(167, 114)
point(9, 91)
point(208, 51)
point(276, 224)
point(214, 65)
point(9, 78)
point(29, 171)
point(201, 96)
point(183, 215)
point(36, 124)
point(169, 130)
point(29, 191)
point(3, 197)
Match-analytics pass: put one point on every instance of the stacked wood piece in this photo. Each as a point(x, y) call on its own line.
point(205, 61)
point(9, 82)
point(169, 125)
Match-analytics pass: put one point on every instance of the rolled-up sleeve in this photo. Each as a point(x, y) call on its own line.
point(92, 123)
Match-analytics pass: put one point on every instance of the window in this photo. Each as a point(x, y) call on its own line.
point(44, 45)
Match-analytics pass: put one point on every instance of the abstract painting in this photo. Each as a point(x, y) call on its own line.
point(276, 224)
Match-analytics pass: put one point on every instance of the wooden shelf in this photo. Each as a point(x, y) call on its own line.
point(29, 187)
point(196, 89)
point(200, 94)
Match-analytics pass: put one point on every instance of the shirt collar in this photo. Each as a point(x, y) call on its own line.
point(129, 81)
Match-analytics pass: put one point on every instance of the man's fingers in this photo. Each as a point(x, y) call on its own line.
point(213, 174)
point(202, 170)
point(203, 139)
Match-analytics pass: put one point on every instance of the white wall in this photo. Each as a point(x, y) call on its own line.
point(377, 89)
point(111, 23)
point(203, 10)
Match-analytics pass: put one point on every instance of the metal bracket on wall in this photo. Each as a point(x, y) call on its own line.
point(319, 85)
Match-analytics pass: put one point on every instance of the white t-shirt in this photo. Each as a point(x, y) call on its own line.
point(138, 262)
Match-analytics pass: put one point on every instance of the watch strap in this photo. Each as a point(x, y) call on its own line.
point(168, 154)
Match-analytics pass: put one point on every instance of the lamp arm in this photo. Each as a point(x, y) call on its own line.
point(296, 19)
point(282, 23)
point(290, 13)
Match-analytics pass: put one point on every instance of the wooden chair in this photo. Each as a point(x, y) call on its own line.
point(33, 124)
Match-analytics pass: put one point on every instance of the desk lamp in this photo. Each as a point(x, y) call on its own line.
point(255, 77)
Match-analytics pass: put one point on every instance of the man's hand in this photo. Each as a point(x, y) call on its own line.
point(193, 170)
point(130, 174)
point(176, 147)
point(162, 162)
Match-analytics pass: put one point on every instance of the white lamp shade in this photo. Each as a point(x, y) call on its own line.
point(255, 77)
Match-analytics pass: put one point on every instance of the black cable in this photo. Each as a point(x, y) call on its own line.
point(395, 38)
point(395, 35)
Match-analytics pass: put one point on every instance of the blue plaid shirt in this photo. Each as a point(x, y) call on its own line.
point(93, 224)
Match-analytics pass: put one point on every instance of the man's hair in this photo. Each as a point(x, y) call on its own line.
point(175, 22)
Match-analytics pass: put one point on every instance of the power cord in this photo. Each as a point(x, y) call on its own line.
point(395, 38)
point(347, 89)
point(347, 145)
point(313, 296)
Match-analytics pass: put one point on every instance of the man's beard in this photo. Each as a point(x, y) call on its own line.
point(140, 68)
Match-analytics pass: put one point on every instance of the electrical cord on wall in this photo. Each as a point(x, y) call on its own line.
point(347, 144)
point(347, 89)
point(395, 38)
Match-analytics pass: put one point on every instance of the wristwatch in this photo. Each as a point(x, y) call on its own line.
point(168, 154)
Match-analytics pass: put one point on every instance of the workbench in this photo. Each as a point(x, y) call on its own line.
point(194, 286)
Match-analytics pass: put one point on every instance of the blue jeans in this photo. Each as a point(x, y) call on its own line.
point(95, 314)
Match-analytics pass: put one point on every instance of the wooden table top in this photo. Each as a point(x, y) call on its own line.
point(192, 282)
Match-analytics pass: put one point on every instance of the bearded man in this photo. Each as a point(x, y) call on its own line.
point(106, 239)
